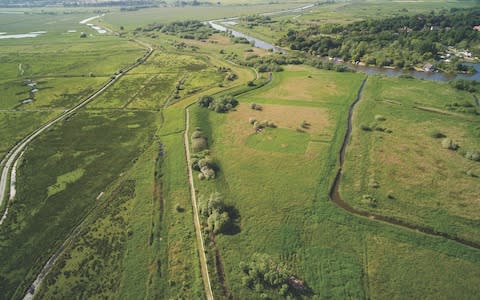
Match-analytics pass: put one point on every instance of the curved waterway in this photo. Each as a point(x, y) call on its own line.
point(337, 199)
point(436, 76)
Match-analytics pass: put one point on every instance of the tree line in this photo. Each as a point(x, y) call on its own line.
point(402, 41)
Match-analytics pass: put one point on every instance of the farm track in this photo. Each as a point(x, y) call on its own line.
point(337, 199)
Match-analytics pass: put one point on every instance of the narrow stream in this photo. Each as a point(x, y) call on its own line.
point(337, 199)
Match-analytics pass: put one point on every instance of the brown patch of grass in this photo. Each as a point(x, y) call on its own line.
point(283, 116)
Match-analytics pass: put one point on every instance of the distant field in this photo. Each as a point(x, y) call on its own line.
point(132, 20)
point(345, 12)
point(418, 180)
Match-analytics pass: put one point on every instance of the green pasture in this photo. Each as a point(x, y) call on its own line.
point(284, 210)
point(407, 170)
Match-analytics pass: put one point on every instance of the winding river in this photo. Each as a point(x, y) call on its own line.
point(335, 188)
point(436, 76)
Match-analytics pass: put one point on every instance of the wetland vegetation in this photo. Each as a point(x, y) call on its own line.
point(200, 126)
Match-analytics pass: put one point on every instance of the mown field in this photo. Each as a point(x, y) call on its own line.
point(401, 161)
point(278, 182)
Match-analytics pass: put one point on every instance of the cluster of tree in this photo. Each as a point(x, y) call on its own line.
point(239, 40)
point(179, 3)
point(203, 163)
point(328, 65)
point(403, 41)
point(265, 276)
point(199, 141)
point(256, 20)
point(272, 63)
point(214, 209)
point(138, 7)
point(259, 125)
point(184, 29)
point(466, 85)
point(222, 105)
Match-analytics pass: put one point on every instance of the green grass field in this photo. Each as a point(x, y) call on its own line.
point(427, 184)
point(116, 171)
point(282, 201)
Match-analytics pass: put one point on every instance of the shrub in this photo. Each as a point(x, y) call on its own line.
point(365, 127)
point(199, 144)
point(437, 134)
point(370, 200)
point(252, 121)
point(380, 118)
point(449, 144)
point(208, 172)
point(373, 183)
point(256, 106)
point(205, 101)
point(179, 208)
point(473, 155)
point(197, 134)
point(471, 173)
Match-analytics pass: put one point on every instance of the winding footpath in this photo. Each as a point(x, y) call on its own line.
point(337, 199)
point(196, 219)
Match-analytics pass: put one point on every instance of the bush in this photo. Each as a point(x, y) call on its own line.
point(380, 118)
point(199, 144)
point(256, 106)
point(197, 134)
point(437, 134)
point(449, 144)
point(252, 121)
point(179, 208)
point(472, 155)
point(370, 200)
point(365, 127)
point(373, 183)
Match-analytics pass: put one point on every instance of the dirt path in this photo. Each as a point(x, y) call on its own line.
point(196, 218)
point(337, 199)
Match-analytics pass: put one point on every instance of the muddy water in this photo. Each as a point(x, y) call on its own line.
point(337, 199)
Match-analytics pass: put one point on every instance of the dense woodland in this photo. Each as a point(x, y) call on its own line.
point(402, 42)
point(184, 29)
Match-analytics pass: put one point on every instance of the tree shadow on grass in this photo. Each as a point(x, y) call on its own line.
point(233, 226)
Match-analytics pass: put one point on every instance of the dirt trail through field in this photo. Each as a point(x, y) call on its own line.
point(196, 218)
point(337, 199)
